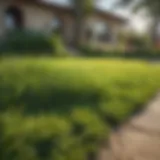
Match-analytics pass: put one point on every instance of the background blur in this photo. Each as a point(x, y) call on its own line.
point(79, 80)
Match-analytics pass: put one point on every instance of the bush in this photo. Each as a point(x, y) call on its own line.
point(23, 42)
point(48, 136)
point(39, 85)
point(143, 52)
point(34, 137)
point(58, 109)
point(58, 46)
point(88, 51)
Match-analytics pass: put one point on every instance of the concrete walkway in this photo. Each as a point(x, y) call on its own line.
point(139, 139)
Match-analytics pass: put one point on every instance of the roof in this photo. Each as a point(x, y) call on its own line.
point(70, 8)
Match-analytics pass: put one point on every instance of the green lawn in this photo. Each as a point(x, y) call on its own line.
point(61, 108)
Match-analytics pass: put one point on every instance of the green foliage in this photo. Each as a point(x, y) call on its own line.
point(89, 51)
point(48, 136)
point(38, 85)
point(84, 127)
point(24, 42)
point(35, 137)
point(58, 109)
point(138, 41)
point(152, 10)
point(152, 7)
point(84, 7)
point(58, 46)
point(139, 51)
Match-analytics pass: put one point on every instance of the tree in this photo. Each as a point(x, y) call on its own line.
point(82, 8)
point(153, 9)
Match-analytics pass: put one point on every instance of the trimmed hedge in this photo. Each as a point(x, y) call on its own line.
point(26, 42)
point(64, 109)
point(40, 85)
point(144, 53)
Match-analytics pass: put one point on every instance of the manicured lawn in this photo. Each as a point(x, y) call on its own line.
point(65, 107)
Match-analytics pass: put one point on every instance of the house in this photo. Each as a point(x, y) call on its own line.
point(101, 27)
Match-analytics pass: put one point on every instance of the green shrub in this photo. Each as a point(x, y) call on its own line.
point(47, 85)
point(58, 109)
point(25, 42)
point(44, 88)
point(141, 52)
point(83, 126)
point(49, 137)
point(58, 46)
point(34, 137)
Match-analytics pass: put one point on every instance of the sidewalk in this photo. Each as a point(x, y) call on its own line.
point(139, 139)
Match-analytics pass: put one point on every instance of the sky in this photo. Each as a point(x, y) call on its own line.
point(137, 21)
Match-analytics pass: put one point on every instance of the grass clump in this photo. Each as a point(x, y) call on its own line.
point(58, 109)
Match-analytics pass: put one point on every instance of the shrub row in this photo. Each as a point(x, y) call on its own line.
point(143, 53)
point(25, 42)
point(62, 109)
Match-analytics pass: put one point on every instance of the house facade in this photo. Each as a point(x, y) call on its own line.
point(100, 27)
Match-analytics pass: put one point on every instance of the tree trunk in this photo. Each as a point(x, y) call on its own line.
point(154, 31)
point(78, 28)
point(82, 9)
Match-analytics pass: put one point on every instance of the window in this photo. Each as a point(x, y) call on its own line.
point(13, 18)
point(89, 34)
point(57, 25)
point(104, 32)
point(105, 37)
